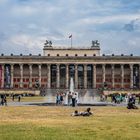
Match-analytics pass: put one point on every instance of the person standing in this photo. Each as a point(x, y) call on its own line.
point(19, 97)
point(5, 100)
point(73, 99)
point(57, 99)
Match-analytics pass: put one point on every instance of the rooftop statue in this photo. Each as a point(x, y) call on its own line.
point(48, 43)
point(95, 43)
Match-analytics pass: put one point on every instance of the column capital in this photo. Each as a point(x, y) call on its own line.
point(2, 64)
point(39, 64)
point(112, 66)
point(122, 65)
point(94, 65)
point(85, 65)
point(131, 65)
point(57, 65)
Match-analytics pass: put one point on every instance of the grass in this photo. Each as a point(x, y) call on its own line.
point(55, 123)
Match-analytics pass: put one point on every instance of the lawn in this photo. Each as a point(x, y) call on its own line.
point(55, 123)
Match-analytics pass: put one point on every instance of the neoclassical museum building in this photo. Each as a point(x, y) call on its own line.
point(57, 65)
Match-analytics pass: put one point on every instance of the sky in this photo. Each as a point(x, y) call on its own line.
point(26, 24)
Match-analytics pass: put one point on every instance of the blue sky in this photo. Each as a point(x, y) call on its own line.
point(26, 24)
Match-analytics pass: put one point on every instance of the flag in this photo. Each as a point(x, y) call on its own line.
point(70, 36)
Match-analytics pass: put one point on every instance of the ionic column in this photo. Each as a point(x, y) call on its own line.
point(67, 76)
point(94, 76)
point(112, 71)
point(122, 76)
point(21, 75)
point(76, 76)
point(131, 75)
point(103, 69)
point(12, 75)
point(30, 79)
point(39, 68)
point(2, 85)
point(58, 76)
point(85, 76)
point(139, 75)
point(48, 76)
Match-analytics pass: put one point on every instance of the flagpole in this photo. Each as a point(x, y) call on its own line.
point(71, 42)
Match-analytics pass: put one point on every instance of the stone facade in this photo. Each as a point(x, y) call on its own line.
point(88, 68)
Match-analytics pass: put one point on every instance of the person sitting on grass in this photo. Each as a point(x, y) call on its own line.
point(87, 112)
point(76, 113)
point(131, 103)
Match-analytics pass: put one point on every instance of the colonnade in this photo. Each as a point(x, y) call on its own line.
point(68, 76)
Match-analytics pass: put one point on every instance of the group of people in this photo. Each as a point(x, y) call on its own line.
point(3, 99)
point(71, 97)
point(87, 112)
point(60, 99)
point(130, 100)
point(16, 96)
point(117, 98)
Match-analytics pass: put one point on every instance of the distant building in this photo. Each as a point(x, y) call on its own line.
point(53, 70)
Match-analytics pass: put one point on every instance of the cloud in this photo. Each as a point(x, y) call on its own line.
point(23, 10)
point(26, 24)
point(134, 25)
point(3, 2)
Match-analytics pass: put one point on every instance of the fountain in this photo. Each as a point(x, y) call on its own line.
point(84, 97)
point(69, 93)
